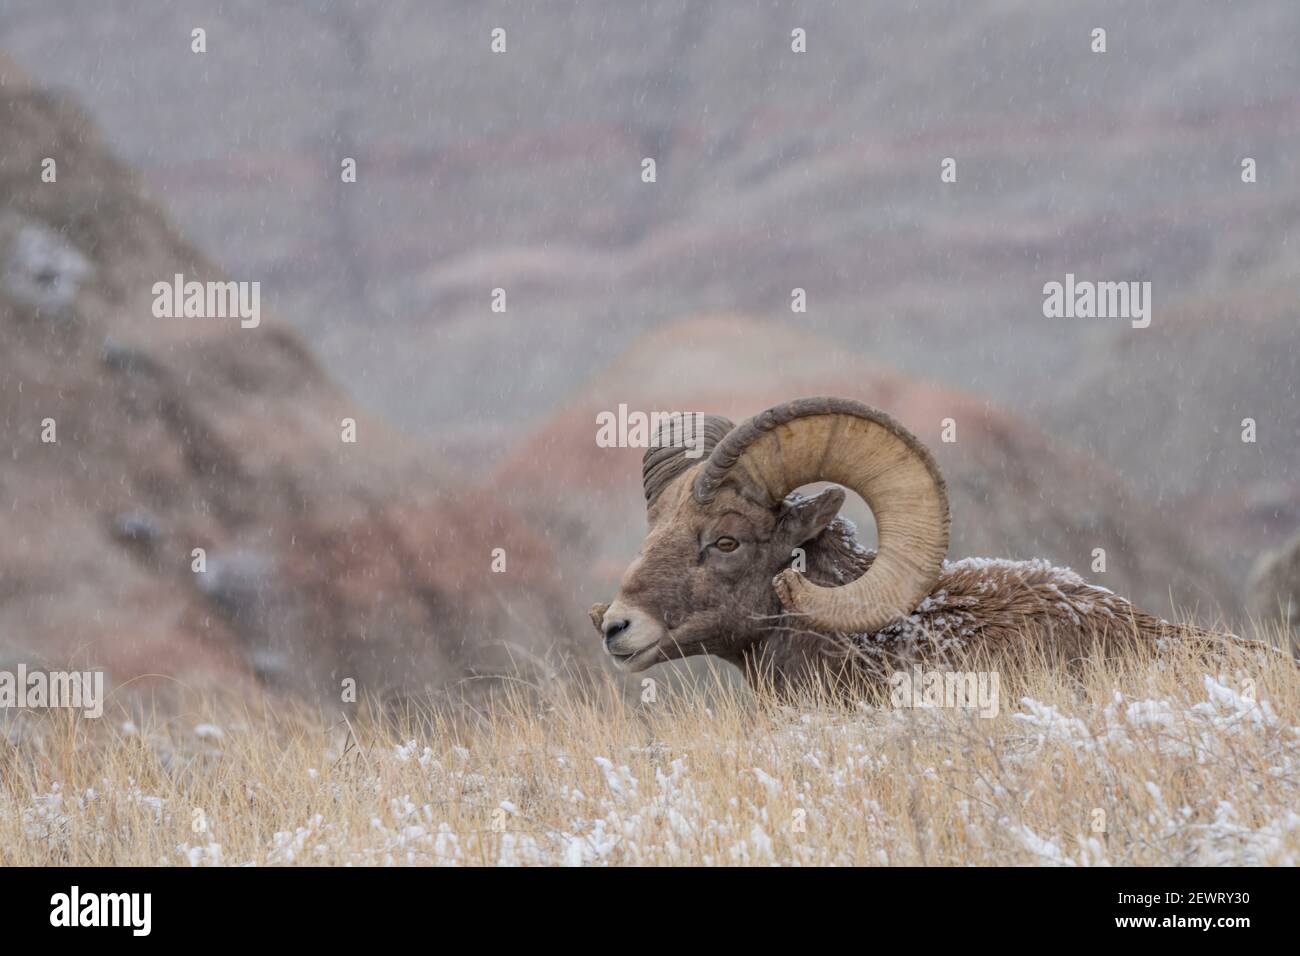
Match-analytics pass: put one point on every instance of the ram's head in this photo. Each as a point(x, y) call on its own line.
point(714, 573)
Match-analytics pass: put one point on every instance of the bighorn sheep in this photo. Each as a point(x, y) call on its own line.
point(715, 576)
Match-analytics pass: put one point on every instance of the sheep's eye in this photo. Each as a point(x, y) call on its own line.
point(726, 545)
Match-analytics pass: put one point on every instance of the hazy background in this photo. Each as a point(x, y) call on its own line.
point(521, 170)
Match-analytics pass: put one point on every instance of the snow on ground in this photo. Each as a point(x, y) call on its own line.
point(1209, 782)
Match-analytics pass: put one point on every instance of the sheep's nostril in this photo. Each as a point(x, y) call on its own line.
point(614, 628)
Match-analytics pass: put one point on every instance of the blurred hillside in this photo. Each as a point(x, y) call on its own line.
point(324, 560)
point(776, 170)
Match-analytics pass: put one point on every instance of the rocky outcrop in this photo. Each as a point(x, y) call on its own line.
point(129, 441)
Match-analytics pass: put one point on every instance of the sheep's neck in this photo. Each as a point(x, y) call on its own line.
point(788, 655)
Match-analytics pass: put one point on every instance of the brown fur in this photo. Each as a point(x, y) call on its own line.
point(724, 604)
point(990, 609)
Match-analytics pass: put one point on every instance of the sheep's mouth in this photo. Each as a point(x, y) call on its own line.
point(637, 660)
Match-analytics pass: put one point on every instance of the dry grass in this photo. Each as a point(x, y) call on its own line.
point(1172, 757)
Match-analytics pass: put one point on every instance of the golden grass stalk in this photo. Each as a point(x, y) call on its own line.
point(1142, 759)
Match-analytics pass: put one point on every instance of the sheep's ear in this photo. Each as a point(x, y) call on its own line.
point(803, 519)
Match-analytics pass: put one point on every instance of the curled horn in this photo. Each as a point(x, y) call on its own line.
point(851, 444)
point(665, 461)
